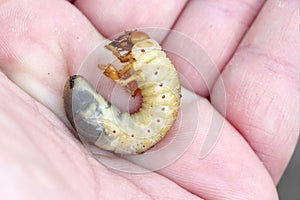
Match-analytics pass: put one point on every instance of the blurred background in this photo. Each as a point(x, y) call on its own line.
point(289, 185)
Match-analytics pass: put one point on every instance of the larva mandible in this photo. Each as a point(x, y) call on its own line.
point(99, 122)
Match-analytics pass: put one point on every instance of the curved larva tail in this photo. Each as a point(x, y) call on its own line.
point(97, 121)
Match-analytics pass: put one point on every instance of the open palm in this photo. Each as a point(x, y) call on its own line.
point(255, 46)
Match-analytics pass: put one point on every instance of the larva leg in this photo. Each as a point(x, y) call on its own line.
point(125, 69)
point(117, 75)
point(111, 72)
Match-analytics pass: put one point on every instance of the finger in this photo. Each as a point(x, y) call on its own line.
point(262, 85)
point(111, 17)
point(25, 139)
point(158, 186)
point(231, 170)
point(38, 52)
point(217, 27)
point(42, 156)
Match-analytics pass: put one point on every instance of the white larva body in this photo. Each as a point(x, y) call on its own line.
point(123, 133)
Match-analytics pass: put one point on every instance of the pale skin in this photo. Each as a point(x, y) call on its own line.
point(42, 43)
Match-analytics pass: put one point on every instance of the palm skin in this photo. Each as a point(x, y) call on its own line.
point(255, 45)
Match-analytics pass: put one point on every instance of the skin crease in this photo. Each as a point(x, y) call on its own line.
point(259, 60)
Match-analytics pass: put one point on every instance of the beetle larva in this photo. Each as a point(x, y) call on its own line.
point(102, 124)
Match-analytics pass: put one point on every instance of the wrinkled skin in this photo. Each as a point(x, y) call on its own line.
point(43, 42)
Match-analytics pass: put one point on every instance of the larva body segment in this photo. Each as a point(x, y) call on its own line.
point(123, 133)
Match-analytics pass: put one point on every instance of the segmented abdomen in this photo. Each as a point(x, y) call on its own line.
point(160, 89)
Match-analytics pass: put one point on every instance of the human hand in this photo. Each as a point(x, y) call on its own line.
point(43, 42)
